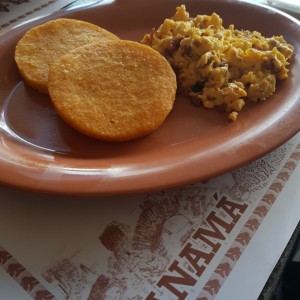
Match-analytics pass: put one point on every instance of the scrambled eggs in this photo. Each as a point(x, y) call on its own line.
point(220, 67)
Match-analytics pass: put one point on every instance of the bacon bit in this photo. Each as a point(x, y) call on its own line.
point(187, 50)
point(174, 46)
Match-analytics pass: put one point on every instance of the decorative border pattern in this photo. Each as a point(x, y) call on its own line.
point(4, 4)
point(28, 13)
point(224, 268)
point(26, 280)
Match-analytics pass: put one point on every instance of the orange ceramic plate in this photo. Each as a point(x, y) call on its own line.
point(39, 152)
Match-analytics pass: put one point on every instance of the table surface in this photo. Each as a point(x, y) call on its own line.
point(218, 239)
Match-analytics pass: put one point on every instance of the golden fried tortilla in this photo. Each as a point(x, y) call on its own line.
point(44, 44)
point(114, 91)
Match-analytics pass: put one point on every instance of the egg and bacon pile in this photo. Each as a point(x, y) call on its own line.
point(217, 66)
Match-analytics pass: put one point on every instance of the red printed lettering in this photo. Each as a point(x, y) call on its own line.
point(204, 234)
point(218, 227)
point(168, 281)
point(230, 208)
point(194, 256)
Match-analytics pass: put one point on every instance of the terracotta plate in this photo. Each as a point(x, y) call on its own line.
point(40, 152)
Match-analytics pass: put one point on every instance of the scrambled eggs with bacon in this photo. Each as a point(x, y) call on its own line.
point(220, 67)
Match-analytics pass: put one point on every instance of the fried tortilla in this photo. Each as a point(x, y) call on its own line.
point(44, 44)
point(114, 91)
